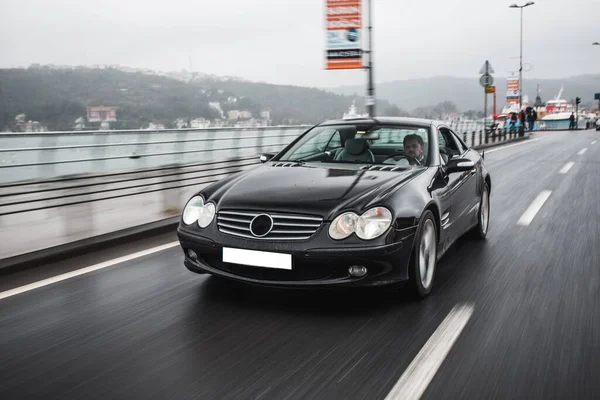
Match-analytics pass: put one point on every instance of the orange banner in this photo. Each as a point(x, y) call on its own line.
point(512, 90)
point(344, 34)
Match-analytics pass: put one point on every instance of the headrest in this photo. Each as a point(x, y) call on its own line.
point(356, 146)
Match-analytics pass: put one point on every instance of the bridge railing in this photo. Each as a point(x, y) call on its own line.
point(38, 156)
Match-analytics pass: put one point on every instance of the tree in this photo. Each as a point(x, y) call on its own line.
point(445, 107)
point(395, 111)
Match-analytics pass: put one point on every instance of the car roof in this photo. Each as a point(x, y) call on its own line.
point(420, 122)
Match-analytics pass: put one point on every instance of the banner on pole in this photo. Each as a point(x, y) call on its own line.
point(512, 89)
point(344, 34)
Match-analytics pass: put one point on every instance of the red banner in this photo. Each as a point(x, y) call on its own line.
point(344, 34)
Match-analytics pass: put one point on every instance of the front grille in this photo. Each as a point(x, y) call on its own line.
point(285, 226)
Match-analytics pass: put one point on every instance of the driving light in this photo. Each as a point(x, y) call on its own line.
point(207, 213)
point(192, 210)
point(357, 271)
point(343, 226)
point(373, 223)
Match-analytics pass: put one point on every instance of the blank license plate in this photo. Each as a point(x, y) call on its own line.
point(257, 258)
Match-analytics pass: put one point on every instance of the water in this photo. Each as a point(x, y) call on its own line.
point(126, 150)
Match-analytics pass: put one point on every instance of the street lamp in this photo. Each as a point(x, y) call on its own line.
point(521, 57)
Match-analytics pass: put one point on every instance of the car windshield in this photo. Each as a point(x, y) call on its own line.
point(395, 145)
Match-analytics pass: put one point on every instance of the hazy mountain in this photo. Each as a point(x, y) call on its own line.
point(56, 97)
point(467, 94)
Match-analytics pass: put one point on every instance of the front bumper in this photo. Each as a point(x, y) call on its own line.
point(311, 265)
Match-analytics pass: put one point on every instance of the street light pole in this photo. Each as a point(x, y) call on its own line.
point(521, 65)
point(521, 53)
point(371, 87)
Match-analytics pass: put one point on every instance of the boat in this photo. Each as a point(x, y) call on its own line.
point(558, 111)
point(352, 113)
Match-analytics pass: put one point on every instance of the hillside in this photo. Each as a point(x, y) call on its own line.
point(467, 94)
point(57, 97)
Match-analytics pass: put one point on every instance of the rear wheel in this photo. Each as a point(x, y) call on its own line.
point(424, 260)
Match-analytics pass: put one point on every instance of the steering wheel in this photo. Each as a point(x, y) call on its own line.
point(402, 154)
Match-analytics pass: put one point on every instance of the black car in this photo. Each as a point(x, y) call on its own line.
point(358, 202)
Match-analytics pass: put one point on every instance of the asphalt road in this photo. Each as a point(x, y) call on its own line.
point(147, 328)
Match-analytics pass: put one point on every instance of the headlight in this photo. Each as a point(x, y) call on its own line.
point(191, 212)
point(207, 213)
point(373, 223)
point(196, 211)
point(343, 226)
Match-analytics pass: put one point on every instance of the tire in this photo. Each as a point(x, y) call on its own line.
point(483, 215)
point(423, 262)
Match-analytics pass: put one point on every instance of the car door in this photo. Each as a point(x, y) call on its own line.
point(461, 188)
point(474, 182)
point(468, 192)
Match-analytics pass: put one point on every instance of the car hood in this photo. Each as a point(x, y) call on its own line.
point(319, 189)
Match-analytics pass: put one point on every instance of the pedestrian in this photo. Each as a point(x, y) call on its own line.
point(522, 122)
point(572, 121)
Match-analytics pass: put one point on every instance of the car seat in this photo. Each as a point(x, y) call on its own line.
point(355, 150)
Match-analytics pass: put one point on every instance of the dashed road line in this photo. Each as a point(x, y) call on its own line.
point(567, 167)
point(582, 151)
point(414, 381)
point(533, 209)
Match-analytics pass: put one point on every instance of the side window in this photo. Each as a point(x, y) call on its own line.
point(462, 147)
point(447, 144)
point(441, 139)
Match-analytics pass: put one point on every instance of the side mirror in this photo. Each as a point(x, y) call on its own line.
point(459, 165)
point(266, 157)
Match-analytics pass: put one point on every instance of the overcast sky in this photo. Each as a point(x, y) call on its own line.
point(283, 41)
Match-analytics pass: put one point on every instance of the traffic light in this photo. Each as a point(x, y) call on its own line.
point(577, 100)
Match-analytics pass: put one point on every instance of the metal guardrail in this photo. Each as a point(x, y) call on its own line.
point(18, 198)
point(39, 156)
point(106, 151)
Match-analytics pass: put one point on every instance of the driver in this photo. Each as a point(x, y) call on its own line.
point(413, 146)
point(413, 150)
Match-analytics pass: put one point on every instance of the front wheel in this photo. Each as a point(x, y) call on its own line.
point(483, 216)
point(424, 259)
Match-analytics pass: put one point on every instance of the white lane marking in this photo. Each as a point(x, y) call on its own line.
point(420, 372)
point(582, 151)
point(533, 209)
point(85, 270)
point(566, 168)
point(509, 146)
point(594, 142)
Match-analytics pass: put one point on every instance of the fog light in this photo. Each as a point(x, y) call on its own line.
point(192, 254)
point(357, 270)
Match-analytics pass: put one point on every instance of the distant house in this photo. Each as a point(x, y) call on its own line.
point(239, 114)
point(101, 114)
